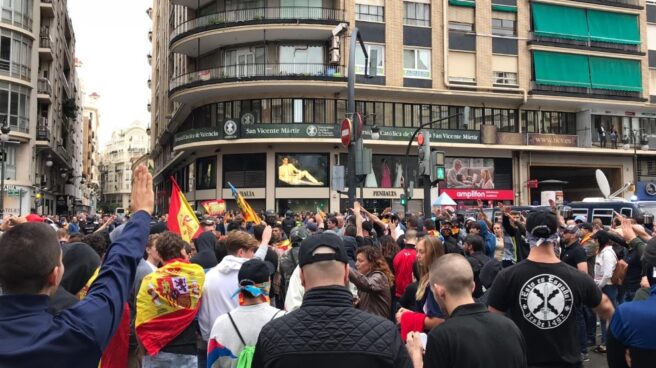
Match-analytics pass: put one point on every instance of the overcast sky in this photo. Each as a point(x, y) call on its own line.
point(112, 43)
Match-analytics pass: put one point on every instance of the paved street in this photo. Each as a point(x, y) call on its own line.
point(596, 361)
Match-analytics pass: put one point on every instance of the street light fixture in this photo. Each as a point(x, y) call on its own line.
point(3, 156)
point(49, 162)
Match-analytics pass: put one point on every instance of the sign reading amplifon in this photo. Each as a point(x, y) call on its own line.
point(482, 194)
point(232, 130)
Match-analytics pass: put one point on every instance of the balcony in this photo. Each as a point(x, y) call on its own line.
point(65, 85)
point(45, 47)
point(584, 44)
point(260, 72)
point(44, 90)
point(203, 34)
point(581, 92)
point(47, 10)
point(42, 131)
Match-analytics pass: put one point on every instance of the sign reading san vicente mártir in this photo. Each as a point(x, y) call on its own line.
point(233, 131)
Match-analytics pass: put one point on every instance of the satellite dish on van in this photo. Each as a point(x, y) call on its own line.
point(602, 182)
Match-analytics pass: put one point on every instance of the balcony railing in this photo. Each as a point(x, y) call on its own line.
point(45, 41)
point(258, 15)
point(592, 92)
point(44, 87)
point(586, 43)
point(629, 3)
point(42, 132)
point(258, 71)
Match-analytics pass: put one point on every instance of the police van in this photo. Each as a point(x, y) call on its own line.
point(604, 209)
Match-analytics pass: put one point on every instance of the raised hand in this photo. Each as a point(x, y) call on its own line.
point(143, 198)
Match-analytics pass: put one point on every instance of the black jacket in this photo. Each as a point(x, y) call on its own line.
point(205, 248)
point(518, 233)
point(327, 332)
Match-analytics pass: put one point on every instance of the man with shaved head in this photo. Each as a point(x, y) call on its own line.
point(327, 331)
point(470, 337)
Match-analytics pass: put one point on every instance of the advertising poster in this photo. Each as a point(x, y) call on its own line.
point(302, 170)
point(215, 208)
point(470, 173)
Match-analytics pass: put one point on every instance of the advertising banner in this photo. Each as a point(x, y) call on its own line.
point(482, 194)
point(302, 170)
point(214, 208)
point(473, 173)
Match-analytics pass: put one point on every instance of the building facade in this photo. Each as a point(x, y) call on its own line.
point(38, 100)
point(116, 166)
point(252, 93)
point(90, 150)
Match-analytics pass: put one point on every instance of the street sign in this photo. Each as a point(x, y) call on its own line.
point(347, 128)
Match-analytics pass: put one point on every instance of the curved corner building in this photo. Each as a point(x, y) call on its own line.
point(252, 92)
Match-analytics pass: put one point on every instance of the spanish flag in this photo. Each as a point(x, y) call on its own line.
point(116, 353)
point(167, 303)
point(182, 219)
point(246, 210)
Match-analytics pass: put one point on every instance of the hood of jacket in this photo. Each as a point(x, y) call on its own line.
point(230, 264)
point(80, 262)
point(205, 247)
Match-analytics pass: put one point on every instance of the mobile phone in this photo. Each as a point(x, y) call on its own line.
point(424, 339)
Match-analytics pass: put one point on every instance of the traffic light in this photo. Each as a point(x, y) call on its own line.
point(404, 200)
point(423, 141)
point(437, 170)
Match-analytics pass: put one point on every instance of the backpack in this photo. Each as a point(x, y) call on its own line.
point(245, 358)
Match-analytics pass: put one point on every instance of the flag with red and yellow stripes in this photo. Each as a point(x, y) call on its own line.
point(246, 210)
point(182, 219)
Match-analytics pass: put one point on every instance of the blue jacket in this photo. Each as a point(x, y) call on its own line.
point(632, 327)
point(490, 240)
point(31, 337)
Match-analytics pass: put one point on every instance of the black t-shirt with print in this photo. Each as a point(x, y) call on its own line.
point(573, 255)
point(541, 298)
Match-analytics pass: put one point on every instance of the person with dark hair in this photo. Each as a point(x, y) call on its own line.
point(332, 225)
point(470, 336)
point(235, 333)
point(96, 241)
point(541, 293)
point(474, 252)
point(374, 281)
point(31, 269)
point(167, 304)
point(389, 249)
point(307, 337)
point(205, 246)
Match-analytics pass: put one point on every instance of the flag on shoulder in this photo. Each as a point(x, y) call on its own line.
point(182, 219)
point(167, 303)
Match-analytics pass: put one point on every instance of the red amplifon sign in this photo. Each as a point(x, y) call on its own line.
point(482, 194)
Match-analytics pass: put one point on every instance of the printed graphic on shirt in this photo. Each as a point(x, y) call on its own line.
point(546, 301)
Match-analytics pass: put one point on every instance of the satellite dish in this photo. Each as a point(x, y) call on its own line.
point(602, 182)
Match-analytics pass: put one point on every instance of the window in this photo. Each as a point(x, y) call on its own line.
point(648, 126)
point(416, 14)
point(369, 13)
point(14, 101)
point(302, 59)
point(549, 122)
point(206, 173)
point(15, 55)
point(375, 52)
point(505, 78)
point(503, 27)
point(10, 164)
point(417, 63)
point(18, 13)
point(462, 27)
point(245, 170)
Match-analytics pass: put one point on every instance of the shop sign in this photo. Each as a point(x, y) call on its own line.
point(248, 193)
point(382, 193)
point(552, 140)
point(230, 130)
point(288, 131)
point(446, 136)
point(196, 135)
point(482, 194)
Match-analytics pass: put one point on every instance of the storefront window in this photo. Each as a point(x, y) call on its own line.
point(504, 119)
point(302, 205)
point(206, 173)
point(302, 170)
point(388, 171)
point(648, 126)
point(245, 170)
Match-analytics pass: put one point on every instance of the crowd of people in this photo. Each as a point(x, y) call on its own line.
point(358, 289)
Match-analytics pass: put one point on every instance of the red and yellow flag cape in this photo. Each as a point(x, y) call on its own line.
point(167, 303)
point(116, 353)
point(182, 219)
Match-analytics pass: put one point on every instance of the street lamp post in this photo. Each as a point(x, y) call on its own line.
point(4, 137)
point(427, 204)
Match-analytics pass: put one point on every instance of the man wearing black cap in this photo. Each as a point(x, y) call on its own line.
point(541, 293)
point(327, 331)
point(235, 330)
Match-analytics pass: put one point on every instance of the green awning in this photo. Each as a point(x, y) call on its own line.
point(613, 27)
point(557, 69)
point(559, 21)
point(504, 8)
point(465, 3)
point(615, 74)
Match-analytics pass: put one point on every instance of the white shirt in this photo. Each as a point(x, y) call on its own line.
point(605, 263)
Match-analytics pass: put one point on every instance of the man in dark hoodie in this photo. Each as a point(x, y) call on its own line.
point(205, 248)
point(515, 229)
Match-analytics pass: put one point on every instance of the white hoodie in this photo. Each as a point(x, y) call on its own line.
point(221, 282)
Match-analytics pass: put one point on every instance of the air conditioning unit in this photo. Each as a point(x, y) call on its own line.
point(335, 57)
point(335, 43)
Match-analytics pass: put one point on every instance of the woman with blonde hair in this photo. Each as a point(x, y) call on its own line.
point(374, 281)
point(427, 313)
point(486, 180)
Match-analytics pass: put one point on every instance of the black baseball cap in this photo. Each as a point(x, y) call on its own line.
point(586, 226)
point(541, 223)
point(255, 270)
point(330, 240)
